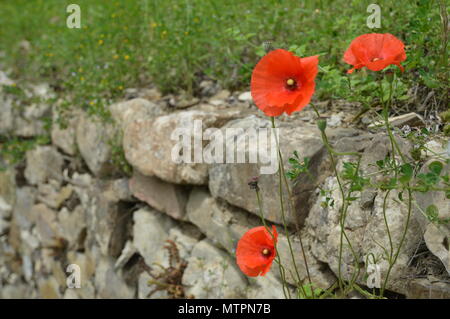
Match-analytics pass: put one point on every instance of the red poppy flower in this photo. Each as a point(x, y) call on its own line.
point(256, 250)
point(375, 51)
point(282, 82)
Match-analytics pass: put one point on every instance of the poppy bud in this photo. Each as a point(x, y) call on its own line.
point(389, 76)
point(253, 183)
point(322, 125)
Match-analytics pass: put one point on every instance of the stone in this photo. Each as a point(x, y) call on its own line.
point(109, 283)
point(245, 97)
point(366, 231)
point(229, 181)
point(53, 196)
point(63, 132)
point(165, 197)
point(184, 101)
point(411, 119)
point(265, 287)
point(25, 199)
point(128, 251)
point(94, 139)
point(7, 193)
point(16, 291)
point(43, 164)
point(221, 223)
point(211, 273)
point(48, 229)
point(70, 294)
point(108, 220)
point(224, 225)
point(423, 288)
point(128, 111)
point(8, 115)
point(436, 235)
point(5, 80)
point(73, 225)
point(154, 156)
point(121, 190)
point(335, 120)
point(4, 227)
point(150, 232)
point(49, 288)
point(208, 87)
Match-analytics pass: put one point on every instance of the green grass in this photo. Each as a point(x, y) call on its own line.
point(175, 44)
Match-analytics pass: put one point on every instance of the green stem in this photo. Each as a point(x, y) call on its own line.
point(286, 290)
point(280, 188)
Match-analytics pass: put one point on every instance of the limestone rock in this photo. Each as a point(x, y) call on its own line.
point(126, 112)
point(230, 181)
point(109, 283)
point(73, 225)
point(165, 197)
point(221, 223)
point(436, 235)
point(149, 146)
point(94, 140)
point(364, 227)
point(150, 231)
point(266, 287)
point(52, 196)
point(225, 225)
point(49, 289)
point(108, 220)
point(43, 164)
point(64, 131)
point(25, 199)
point(211, 273)
point(49, 231)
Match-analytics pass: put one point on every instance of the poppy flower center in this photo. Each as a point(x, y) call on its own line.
point(291, 84)
point(376, 59)
point(266, 252)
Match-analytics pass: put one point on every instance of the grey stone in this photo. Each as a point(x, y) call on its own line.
point(211, 273)
point(436, 235)
point(64, 131)
point(109, 283)
point(43, 164)
point(221, 223)
point(94, 139)
point(53, 196)
point(410, 119)
point(49, 288)
point(148, 145)
point(73, 225)
point(245, 96)
point(48, 229)
point(108, 220)
point(128, 111)
point(230, 181)
point(25, 199)
point(150, 232)
point(225, 225)
point(165, 197)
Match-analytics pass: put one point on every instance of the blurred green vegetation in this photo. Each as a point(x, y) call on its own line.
point(175, 44)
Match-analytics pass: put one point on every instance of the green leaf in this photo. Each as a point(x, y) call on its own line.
point(436, 167)
point(407, 173)
point(432, 212)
